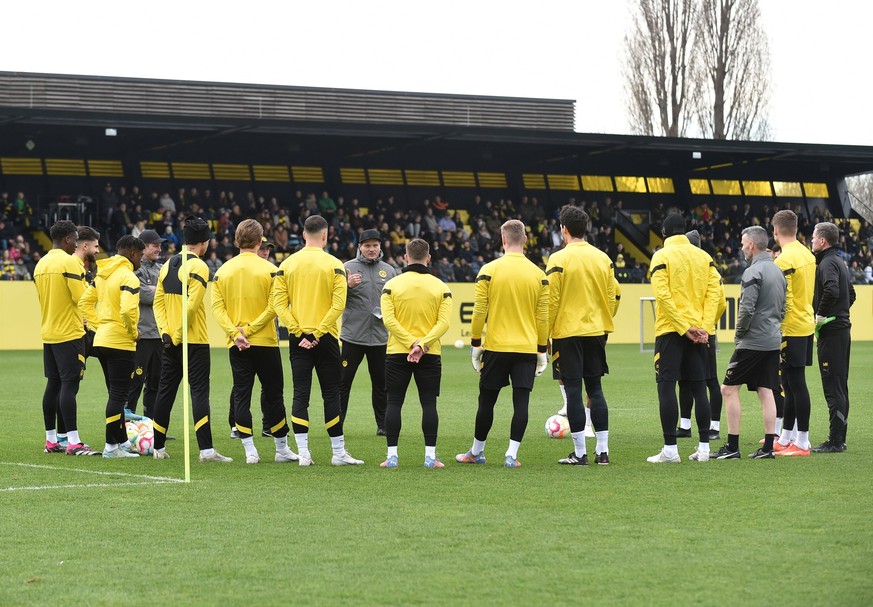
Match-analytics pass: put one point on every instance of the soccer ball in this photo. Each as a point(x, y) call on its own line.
point(557, 426)
point(145, 438)
point(459, 344)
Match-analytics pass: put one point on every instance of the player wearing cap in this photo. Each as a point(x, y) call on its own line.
point(60, 283)
point(149, 349)
point(309, 295)
point(265, 249)
point(417, 307)
point(242, 305)
point(363, 333)
point(798, 265)
point(169, 317)
point(687, 297)
point(112, 304)
point(582, 303)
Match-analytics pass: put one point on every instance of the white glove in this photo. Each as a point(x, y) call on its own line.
point(476, 357)
point(820, 320)
point(542, 363)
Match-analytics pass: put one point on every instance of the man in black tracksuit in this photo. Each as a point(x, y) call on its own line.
point(833, 297)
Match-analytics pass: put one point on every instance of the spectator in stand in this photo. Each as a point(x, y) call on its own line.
point(165, 203)
point(213, 263)
point(445, 270)
point(120, 222)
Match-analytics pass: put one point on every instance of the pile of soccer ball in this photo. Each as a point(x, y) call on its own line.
point(557, 426)
point(141, 435)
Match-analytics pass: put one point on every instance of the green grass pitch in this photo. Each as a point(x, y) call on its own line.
point(632, 533)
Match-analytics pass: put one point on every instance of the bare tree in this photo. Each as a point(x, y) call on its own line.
point(860, 189)
point(656, 70)
point(732, 73)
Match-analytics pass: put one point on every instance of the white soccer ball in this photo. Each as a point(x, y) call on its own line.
point(145, 439)
point(459, 344)
point(557, 426)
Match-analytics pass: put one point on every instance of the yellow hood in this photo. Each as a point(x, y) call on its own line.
point(105, 267)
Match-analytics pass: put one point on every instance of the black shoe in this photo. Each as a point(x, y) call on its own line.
point(830, 446)
point(380, 431)
point(575, 461)
point(726, 453)
point(234, 433)
point(761, 454)
point(683, 433)
point(266, 433)
point(601, 458)
point(714, 435)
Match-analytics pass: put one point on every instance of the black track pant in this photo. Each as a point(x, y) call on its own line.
point(834, 348)
point(265, 363)
point(146, 376)
point(118, 366)
point(352, 356)
point(325, 360)
point(198, 379)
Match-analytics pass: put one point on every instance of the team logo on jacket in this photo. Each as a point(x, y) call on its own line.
point(383, 274)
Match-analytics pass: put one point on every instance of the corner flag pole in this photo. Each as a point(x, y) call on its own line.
point(185, 416)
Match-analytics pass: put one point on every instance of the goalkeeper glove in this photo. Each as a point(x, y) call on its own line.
point(476, 353)
point(542, 363)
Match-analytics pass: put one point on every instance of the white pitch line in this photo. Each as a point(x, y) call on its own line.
point(165, 479)
point(44, 487)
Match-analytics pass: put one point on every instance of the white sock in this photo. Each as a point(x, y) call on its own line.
point(249, 446)
point(51, 436)
point(392, 451)
point(579, 442)
point(430, 452)
point(602, 441)
point(671, 450)
point(794, 432)
point(281, 443)
point(478, 447)
point(785, 437)
point(703, 447)
point(62, 436)
point(207, 452)
point(513, 448)
point(338, 444)
point(685, 423)
point(563, 394)
point(302, 441)
point(802, 440)
point(587, 416)
point(715, 426)
point(111, 447)
point(73, 437)
point(778, 430)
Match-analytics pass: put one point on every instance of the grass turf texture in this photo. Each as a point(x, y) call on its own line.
point(628, 533)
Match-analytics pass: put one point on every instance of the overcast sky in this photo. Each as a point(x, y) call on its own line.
point(560, 49)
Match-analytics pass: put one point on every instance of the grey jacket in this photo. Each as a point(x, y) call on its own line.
point(148, 277)
point(762, 306)
point(362, 318)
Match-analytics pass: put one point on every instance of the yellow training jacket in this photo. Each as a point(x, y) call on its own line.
point(309, 293)
point(687, 291)
point(168, 299)
point(582, 297)
point(416, 306)
point(798, 265)
point(242, 297)
point(513, 295)
point(114, 300)
point(60, 283)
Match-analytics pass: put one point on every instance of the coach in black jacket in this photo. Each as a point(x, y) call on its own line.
point(833, 297)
